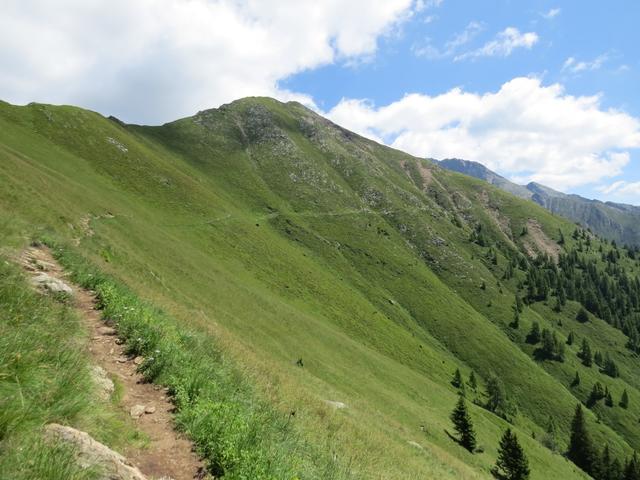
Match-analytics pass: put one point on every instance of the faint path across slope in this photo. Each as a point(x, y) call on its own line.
point(168, 454)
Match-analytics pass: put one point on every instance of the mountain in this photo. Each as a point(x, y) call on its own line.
point(614, 221)
point(478, 170)
point(307, 295)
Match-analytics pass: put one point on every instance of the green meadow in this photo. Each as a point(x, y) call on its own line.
point(280, 264)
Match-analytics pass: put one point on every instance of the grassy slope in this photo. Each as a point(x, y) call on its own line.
point(44, 378)
point(288, 238)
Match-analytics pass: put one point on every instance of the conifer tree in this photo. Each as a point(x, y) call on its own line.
point(609, 366)
point(457, 379)
point(585, 353)
point(516, 320)
point(597, 393)
point(570, 338)
point(624, 399)
point(550, 439)
point(608, 399)
point(463, 426)
point(581, 450)
point(512, 463)
point(519, 305)
point(606, 465)
point(534, 334)
point(497, 401)
point(576, 380)
point(582, 316)
point(597, 358)
point(473, 383)
point(632, 469)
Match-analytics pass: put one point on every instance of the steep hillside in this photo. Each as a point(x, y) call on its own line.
point(613, 221)
point(345, 280)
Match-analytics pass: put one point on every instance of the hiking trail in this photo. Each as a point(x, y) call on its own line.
point(168, 454)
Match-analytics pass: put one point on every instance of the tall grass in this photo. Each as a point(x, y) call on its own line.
point(239, 435)
point(43, 379)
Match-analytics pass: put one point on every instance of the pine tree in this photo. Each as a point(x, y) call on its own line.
point(516, 320)
point(609, 367)
point(457, 379)
point(609, 470)
point(597, 358)
point(581, 450)
point(608, 399)
point(497, 401)
point(473, 383)
point(534, 334)
point(519, 305)
point(463, 426)
point(550, 439)
point(632, 470)
point(512, 463)
point(570, 338)
point(597, 393)
point(624, 399)
point(585, 353)
point(582, 316)
point(576, 380)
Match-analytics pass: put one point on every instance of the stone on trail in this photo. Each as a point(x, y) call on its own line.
point(103, 382)
point(91, 453)
point(52, 284)
point(137, 411)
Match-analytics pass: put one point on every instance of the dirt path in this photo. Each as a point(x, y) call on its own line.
point(168, 454)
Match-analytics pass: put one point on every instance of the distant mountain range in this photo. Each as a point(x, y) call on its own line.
point(614, 221)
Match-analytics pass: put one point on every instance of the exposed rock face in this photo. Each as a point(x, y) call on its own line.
point(52, 284)
point(93, 454)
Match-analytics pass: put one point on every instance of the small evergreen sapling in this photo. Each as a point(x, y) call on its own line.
point(463, 426)
point(512, 463)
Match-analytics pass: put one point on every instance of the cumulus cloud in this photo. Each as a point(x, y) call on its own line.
point(155, 60)
point(526, 130)
point(503, 44)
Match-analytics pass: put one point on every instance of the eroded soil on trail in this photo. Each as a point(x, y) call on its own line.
point(168, 454)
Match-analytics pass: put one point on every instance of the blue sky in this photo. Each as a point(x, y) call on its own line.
point(536, 90)
point(601, 37)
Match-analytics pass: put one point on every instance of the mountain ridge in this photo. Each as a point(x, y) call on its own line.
point(331, 268)
point(614, 221)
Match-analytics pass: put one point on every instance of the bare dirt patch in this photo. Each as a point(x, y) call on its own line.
point(539, 242)
point(168, 454)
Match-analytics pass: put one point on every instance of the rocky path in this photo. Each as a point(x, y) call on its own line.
point(168, 454)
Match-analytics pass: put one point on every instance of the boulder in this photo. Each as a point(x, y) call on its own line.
point(93, 454)
point(52, 284)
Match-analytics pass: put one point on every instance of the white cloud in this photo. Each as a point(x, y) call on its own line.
point(552, 13)
point(155, 60)
point(525, 130)
point(503, 44)
point(621, 188)
point(428, 50)
point(574, 66)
